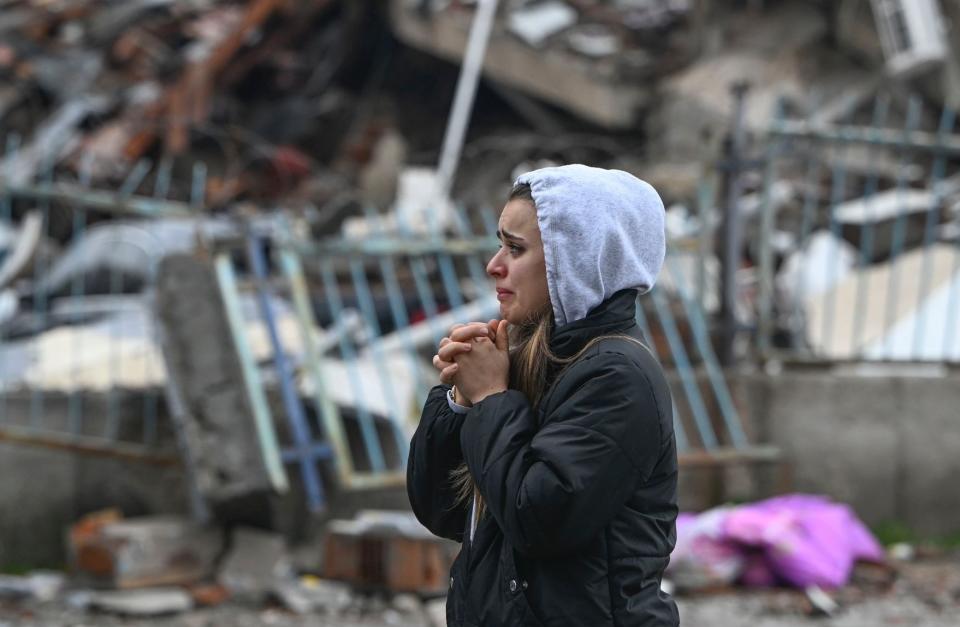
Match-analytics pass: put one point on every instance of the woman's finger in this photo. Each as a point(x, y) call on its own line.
point(439, 364)
point(447, 374)
point(451, 350)
point(470, 332)
point(444, 341)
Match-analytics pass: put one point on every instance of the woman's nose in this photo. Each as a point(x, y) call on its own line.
point(495, 267)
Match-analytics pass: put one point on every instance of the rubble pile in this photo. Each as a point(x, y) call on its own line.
point(92, 87)
point(151, 567)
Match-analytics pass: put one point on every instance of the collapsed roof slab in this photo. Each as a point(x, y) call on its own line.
point(565, 79)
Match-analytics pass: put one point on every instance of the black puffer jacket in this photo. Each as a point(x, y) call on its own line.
point(581, 494)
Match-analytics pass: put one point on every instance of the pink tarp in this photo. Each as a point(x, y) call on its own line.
point(798, 540)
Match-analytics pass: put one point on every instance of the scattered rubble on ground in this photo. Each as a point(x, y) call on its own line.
point(923, 591)
point(157, 567)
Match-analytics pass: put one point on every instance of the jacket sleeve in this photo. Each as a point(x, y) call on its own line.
point(434, 453)
point(553, 490)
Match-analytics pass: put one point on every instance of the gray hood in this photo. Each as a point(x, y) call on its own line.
point(602, 232)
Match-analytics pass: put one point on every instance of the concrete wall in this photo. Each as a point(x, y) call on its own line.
point(887, 445)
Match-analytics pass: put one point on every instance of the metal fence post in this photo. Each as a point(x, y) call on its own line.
point(731, 227)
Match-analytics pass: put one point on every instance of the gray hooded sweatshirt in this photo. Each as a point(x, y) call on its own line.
point(602, 231)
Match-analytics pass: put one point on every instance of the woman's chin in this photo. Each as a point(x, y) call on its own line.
point(506, 313)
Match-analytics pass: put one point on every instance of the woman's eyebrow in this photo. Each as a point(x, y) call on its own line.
point(501, 234)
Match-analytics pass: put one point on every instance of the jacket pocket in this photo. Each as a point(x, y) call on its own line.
point(514, 587)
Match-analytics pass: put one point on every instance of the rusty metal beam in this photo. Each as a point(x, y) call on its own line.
point(87, 445)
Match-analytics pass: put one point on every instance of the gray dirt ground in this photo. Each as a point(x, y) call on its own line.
point(924, 594)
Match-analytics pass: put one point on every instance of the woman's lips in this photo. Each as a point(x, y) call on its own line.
point(503, 295)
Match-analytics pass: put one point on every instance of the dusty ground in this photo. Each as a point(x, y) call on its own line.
point(924, 593)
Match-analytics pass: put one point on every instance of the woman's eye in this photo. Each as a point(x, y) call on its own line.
point(514, 249)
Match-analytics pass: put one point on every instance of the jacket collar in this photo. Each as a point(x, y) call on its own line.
point(615, 315)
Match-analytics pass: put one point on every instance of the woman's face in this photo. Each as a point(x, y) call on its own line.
point(518, 267)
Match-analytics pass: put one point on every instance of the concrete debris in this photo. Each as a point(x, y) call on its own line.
point(8, 306)
point(142, 552)
point(20, 249)
point(57, 134)
point(902, 552)
point(593, 40)
point(209, 594)
point(147, 602)
point(127, 253)
point(256, 562)
point(807, 273)
point(416, 210)
point(534, 24)
point(387, 551)
point(206, 383)
point(694, 105)
point(821, 604)
point(378, 179)
point(308, 594)
point(70, 58)
point(39, 585)
point(886, 212)
point(531, 50)
point(908, 324)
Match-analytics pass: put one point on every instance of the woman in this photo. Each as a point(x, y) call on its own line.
point(552, 457)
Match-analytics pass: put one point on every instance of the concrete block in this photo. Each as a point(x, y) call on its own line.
point(204, 371)
point(379, 551)
point(142, 552)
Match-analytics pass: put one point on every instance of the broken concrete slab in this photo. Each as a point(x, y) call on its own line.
point(205, 374)
point(584, 86)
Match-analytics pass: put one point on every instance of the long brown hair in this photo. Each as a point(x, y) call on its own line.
point(533, 367)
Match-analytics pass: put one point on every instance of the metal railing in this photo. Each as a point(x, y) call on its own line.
point(877, 275)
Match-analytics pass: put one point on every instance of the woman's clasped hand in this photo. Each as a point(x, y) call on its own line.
point(475, 359)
